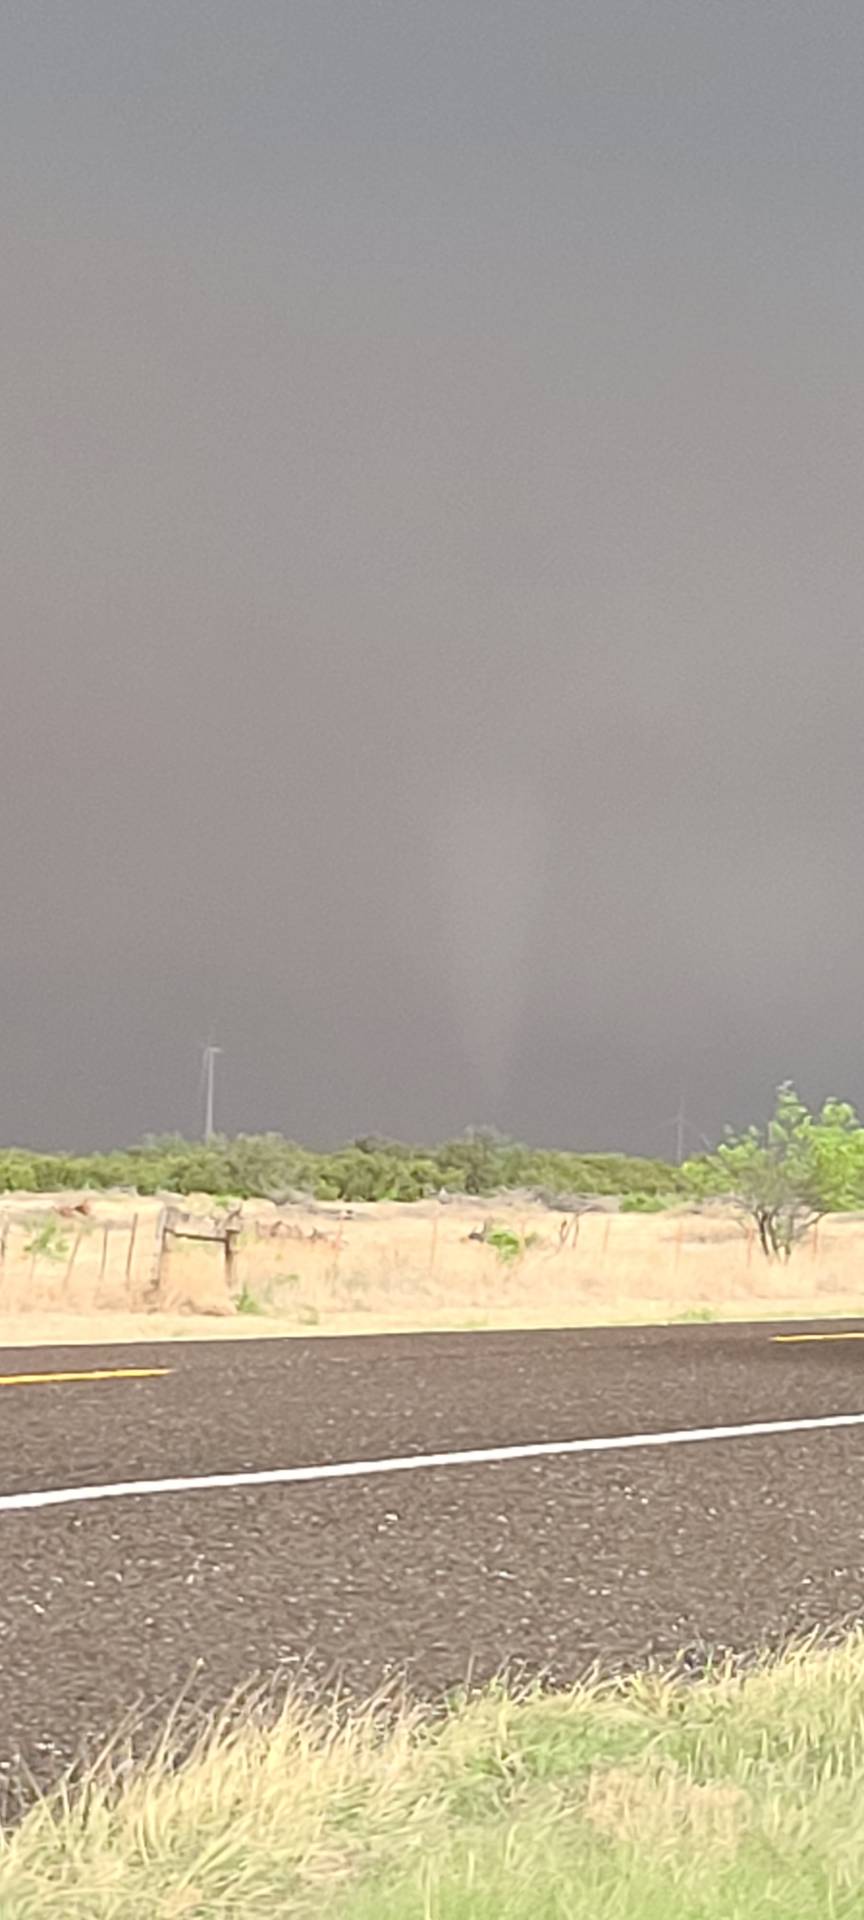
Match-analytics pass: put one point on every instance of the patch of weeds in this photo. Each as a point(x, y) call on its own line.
point(272, 1295)
point(308, 1315)
point(507, 1244)
point(646, 1203)
point(697, 1313)
point(248, 1302)
point(48, 1243)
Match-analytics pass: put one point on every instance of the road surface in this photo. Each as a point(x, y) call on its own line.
point(649, 1547)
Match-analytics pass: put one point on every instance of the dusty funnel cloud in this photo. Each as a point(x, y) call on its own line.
point(490, 846)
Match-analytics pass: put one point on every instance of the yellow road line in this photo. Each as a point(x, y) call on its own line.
point(97, 1373)
point(790, 1339)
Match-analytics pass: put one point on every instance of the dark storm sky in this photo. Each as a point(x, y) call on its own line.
point(433, 467)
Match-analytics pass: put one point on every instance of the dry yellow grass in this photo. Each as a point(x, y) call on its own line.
point(379, 1268)
point(739, 1796)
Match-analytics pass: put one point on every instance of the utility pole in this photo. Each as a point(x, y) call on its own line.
point(210, 1053)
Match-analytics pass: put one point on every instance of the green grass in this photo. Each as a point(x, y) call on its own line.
point(248, 1302)
point(736, 1798)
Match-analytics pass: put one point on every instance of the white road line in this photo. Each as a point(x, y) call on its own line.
point(413, 1462)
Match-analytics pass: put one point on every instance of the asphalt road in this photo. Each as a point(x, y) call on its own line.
point(446, 1573)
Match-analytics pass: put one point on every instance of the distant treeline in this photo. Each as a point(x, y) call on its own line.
point(267, 1166)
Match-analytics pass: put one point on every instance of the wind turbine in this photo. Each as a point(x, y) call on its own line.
point(207, 1085)
point(683, 1126)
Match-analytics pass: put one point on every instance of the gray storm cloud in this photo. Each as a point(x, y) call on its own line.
point(432, 482)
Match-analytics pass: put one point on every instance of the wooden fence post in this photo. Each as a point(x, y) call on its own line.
point(71, 1260)
point(155, 1283)
point(131, 1247)
point(233, 1226)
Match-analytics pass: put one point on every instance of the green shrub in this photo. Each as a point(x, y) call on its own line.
point(268, 1166)
point(507, 1244)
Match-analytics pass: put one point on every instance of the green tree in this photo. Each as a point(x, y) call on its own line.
point(786, 1175)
